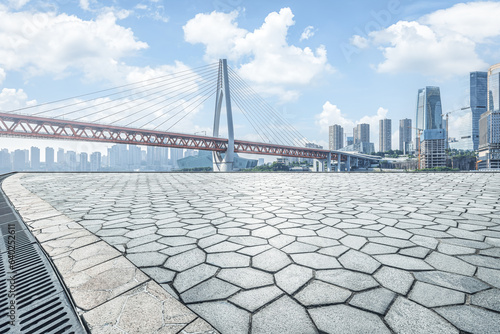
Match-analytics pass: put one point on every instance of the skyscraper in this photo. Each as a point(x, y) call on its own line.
point(35, 158)
point(385, 133)
point(95, 161)
point(404, 135)
point(361, 133)
point(489, 124)
point(49, 158)
point(336, 137)
point(430, 123)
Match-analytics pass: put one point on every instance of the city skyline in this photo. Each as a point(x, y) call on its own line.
point(322, 70)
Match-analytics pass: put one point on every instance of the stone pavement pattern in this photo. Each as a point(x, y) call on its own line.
point(304, 253)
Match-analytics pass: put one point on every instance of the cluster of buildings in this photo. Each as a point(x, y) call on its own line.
point(360, 140)
point(118, 158)
point(479, 130)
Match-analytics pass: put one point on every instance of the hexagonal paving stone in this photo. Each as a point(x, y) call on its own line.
point(320, 293)
point(271, 319)
point(489, 299)
point(358, 261)
point(271, 260)
point(316, 261)
point(253, 299)
point(213, 289)
point(346, 319)
point(185, 260)
point(147, 259)
point(394, 279)
point(225, 317)
point(471, 319)
point(402, 262)
point(293, 277)
point(193, 276)
point(246, 278)
point(228, 260)
point(406, 316)
point(432, 296)
point(376, 300)
point(348, 279)
point(450, 264)
point(452, 281)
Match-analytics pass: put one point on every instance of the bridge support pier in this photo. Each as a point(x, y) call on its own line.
point(339, 162)
point(329, 162)
point(348, 164)
point(223, 164)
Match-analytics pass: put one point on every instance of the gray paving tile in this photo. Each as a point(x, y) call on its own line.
point(348, 279)
point(405, 316)
point(450, 264)
point(185, 260)
point(147, 259)
point(376, 300)
point(394, 279)
point(471, 319)
point(271, 260)
point(225, 317)
point(291, 278)
point(316, 261)
point(228, 260)
point(246, 278)
point(193, 276)
point(452, 281)
point(490, 276)
point(489, 299)
point(432, 296)
point(346, 319)
point(253, 299)
point(402, 262)
point(282, 316)
point(212, 289)
point(321, 293)
point(359, 261)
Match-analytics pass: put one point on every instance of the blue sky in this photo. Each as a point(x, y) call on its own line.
point(342, 62)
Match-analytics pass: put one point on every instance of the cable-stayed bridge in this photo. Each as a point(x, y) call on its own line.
point(147, 113)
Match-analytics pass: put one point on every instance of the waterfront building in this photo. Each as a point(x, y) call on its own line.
point(385, 134)
point(430, 123)
point(489, 124)
point(35, 158)
point(361, 133)
point(49, 158)
point(336, 137)
point(405, 135)
point(95, 161)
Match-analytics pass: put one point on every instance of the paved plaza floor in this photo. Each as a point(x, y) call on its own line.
point(285, 253)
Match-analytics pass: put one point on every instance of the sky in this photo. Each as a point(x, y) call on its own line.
point(317, 63)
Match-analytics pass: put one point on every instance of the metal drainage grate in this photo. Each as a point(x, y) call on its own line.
point(41, 302)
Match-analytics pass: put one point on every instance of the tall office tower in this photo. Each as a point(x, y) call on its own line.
point(361, 133)
point(71, 160)
point(19, 161)
point(61, 159)
point(468, 128)
point(430, 125)
point(336, 137)
point(49, 158)
point(385, 133)
point(489, 124)
point(5, 163)
point(175, 154)
point(404, 135)
point(84, 162)
point(95, 161)
point(35, 158)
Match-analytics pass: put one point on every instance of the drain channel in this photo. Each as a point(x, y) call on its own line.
point(32, 298)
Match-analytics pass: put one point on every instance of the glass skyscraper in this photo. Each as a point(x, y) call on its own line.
point(430, 122)
point(489, 124)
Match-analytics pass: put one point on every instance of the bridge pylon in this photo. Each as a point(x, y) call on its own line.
point(220, 163)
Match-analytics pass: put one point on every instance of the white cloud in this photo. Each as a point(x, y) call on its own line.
point(440, 44)
point(2, 75)
point(307, 33)
point(477, 21)
point(266, 57)
point(359, 42)
point(331, 115)
point(46, 43)
point(11, 99)
point(84, 4)
point(17, 4)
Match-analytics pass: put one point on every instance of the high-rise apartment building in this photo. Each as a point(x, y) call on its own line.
point(405, 135)
point(84, 162)
point(361, 133)
point(336, 137)
point(35, 158)
point(430, 128)
point(385, 133)
point(49, 158)
point(95, 161)
point(489, 124)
